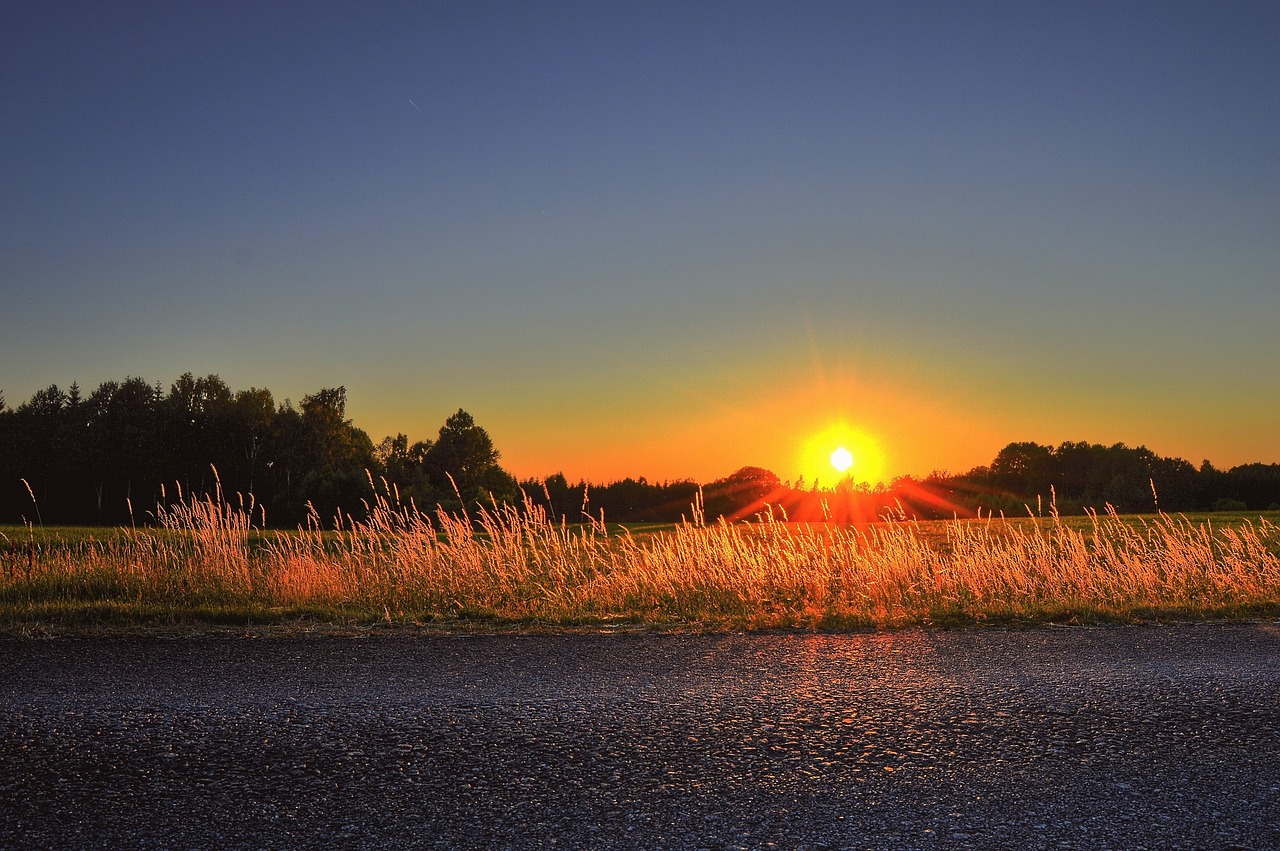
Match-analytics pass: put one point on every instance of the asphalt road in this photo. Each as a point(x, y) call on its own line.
point(1151, 737)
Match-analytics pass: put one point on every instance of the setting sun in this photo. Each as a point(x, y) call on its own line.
point(846, 452)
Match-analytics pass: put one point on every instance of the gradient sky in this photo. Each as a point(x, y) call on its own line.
point(661, 240)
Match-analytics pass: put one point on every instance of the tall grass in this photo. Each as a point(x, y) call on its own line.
point(204, 560)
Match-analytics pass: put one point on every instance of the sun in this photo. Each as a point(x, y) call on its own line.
point(841, 452)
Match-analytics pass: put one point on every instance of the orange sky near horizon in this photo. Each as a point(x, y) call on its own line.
point(789, 422)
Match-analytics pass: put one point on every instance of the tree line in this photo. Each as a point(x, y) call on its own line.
point(112, 456)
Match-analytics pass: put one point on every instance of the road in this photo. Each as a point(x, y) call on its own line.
point(1133, 737)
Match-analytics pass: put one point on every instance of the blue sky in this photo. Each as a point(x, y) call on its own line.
point(661, 239)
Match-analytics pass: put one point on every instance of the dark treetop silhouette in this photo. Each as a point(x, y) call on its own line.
point(111, 457)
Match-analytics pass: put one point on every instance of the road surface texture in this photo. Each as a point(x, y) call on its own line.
point(1140, 737)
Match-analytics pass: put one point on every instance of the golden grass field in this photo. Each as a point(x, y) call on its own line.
point(203, 562)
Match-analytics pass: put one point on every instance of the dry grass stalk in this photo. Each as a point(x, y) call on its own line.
point(517, 563)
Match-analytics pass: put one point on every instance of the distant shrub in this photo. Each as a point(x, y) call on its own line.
point(1226, 503)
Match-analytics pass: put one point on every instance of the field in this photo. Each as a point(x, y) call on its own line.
point(203, 564)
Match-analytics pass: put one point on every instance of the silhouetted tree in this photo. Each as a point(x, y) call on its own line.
point(197, 425)
point(1025, 468)
point(36, 425)
point(743, 492)
point(463, 457)
point(1256, 485)
point(252, 413)
point(562, 500)
point(1213, 484)
point(404, 465)
point(336, 455)
point(124, 457)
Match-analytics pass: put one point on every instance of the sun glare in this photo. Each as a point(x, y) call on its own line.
point(841, 452)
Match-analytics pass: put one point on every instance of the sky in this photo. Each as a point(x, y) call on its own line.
point(663, 239)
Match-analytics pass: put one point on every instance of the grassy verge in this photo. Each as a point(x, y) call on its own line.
point(205, 567)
